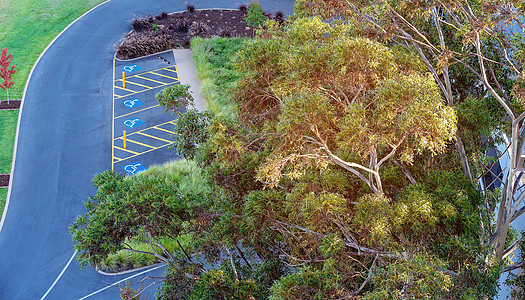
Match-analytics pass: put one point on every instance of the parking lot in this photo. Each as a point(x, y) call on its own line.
point(138, 120)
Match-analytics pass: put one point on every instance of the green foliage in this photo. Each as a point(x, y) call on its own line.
point(176, 97)
point(374, 214)
point(190, 131)
point(325, 94)
point(417, 275)
point(148, 206)
point(255, 15)
point(214, 62)
point(217, 284)
point(311, 283)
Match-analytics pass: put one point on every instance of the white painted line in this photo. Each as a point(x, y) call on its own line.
point(59, 275)
point(21, 110)
point(120, 281)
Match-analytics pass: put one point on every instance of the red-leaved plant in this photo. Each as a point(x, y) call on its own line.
point(6, 73)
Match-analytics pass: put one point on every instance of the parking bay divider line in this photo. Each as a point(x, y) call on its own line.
point(164, 75)
point(126, 158)
point(151, 79)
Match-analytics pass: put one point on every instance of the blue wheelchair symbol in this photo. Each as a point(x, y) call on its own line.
point(131, 103)
point(131, 68)
point(134, 168)
point(132, 123)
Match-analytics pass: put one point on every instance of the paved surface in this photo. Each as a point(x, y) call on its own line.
point(65, 137)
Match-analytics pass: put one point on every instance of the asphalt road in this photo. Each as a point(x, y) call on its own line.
point(64, 139)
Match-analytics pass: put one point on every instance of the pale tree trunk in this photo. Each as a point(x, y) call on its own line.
point(463, 158)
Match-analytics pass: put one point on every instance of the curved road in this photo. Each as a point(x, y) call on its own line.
point(64, 139)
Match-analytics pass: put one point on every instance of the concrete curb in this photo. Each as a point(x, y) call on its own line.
point(21, 110)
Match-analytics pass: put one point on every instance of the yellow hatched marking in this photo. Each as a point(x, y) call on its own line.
point(127, 150)
point(146, 86)
point(116, 158)
point(174, 78)
point(171, 70)
point(154, 137)
point(146, 152)
point(164, 130)
point(145, 129)
point(163, 83)
point(139, 143)
point(118, 97)
point(137, 111)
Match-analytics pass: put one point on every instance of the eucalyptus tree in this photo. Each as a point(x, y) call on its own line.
point(482, 38)
point(339, 99)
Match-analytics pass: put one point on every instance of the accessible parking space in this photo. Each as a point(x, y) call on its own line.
point(141, 128)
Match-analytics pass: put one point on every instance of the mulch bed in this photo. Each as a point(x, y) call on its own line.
point(170, 31)
point(13, 104)
point(4, 180)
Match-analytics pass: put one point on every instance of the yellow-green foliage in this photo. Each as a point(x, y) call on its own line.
point(374, 213)
point(185, 173)
point(419, 275)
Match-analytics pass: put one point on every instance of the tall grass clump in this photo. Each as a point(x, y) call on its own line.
point(214, 63)
point(185, 173)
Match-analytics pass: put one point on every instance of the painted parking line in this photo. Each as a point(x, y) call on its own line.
point(131, 111)
point(146, 81)
point(142, 141)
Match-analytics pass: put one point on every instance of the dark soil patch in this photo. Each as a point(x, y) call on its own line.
point(4, 180)
point(13, 104)
point(169, 31)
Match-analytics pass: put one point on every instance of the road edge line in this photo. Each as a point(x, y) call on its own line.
point(9, 188)
point(59, 276)
point(120, 281)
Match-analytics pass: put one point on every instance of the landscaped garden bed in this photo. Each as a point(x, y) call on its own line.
point(169, 31)
point(13, 104)
point(4, 180)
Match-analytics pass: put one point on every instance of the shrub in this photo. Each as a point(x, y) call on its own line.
point(140, 24)
point(137, 45)
point(163, 15)
point(279, 17)
point(199, 29)
point(243, 8)
point(255, 16)
point(176, 97)
point(190, 7)
point(182, 24)
point(224, 32)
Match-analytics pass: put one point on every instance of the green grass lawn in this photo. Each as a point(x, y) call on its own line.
point(3, 197)
point(28, 26)
point(8, 120)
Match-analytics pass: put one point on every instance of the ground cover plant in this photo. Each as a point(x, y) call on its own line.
point(214, 60)
point(153, 34)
